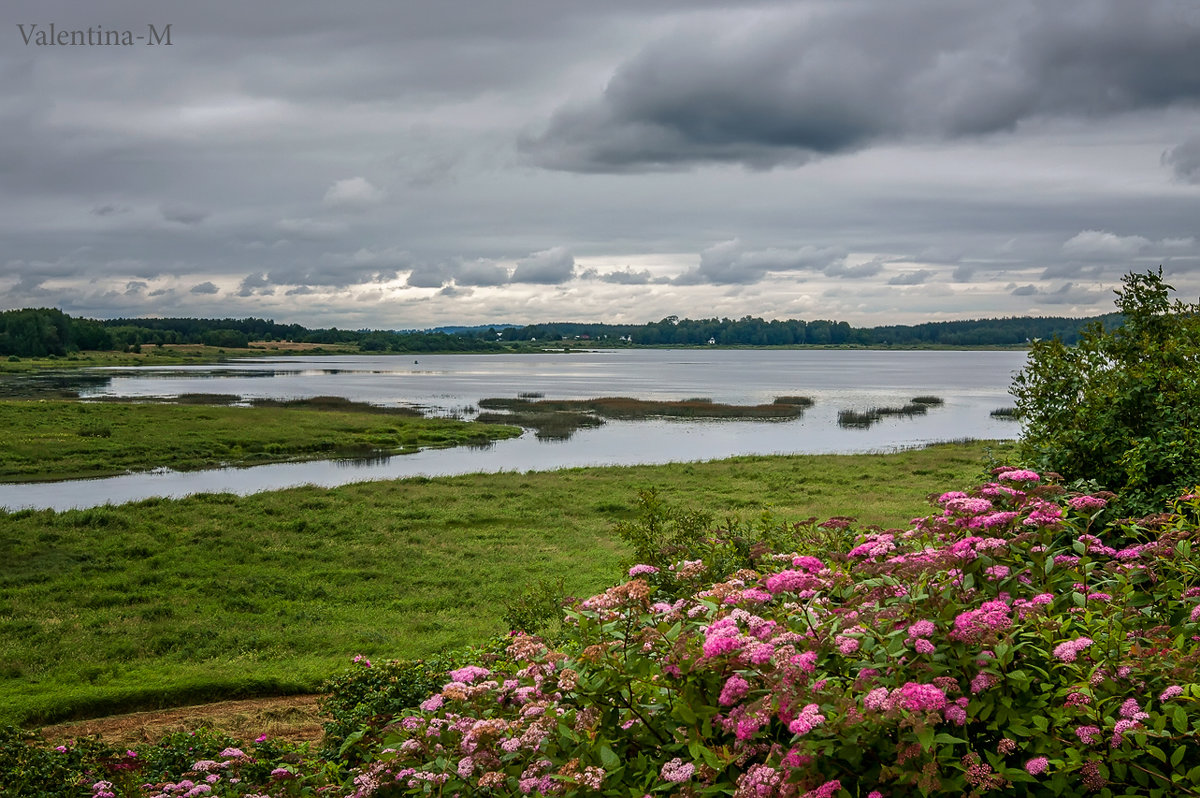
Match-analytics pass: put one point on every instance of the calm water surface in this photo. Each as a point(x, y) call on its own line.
point(971, 383)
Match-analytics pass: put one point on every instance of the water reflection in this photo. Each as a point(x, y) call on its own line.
point(971, 385)
point(50, 384)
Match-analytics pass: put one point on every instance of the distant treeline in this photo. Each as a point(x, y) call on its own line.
point(40, 332)
point(749, 331)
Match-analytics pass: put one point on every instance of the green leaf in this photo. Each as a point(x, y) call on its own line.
point(925, 737)
point(351, 739)
point(608, 758)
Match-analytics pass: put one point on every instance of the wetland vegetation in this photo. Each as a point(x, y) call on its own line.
point(166, 602)
point(1029, 636)
point(60, 439)
point(557, 419)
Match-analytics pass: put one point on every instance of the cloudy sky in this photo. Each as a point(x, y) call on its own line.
point(399, 164)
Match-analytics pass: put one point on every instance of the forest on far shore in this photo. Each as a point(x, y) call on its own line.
point(41, 332)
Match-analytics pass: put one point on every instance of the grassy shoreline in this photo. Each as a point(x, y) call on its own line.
point(170, 602)
point(49, 440)
point(197, 354)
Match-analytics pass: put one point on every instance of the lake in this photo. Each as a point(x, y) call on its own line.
point(971, 383)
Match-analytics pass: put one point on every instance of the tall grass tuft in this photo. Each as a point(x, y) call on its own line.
point(797, 401)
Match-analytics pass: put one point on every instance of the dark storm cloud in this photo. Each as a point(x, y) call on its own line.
point(183, 214)
point(338, 273)
point(1184, 159)
point(255, 285)
point(1068, 293)
point(303, 159)
point(479, 273)
point(790, 87)
point(911, 278)
point(627, 277)
point(856, 272)
point(462, 273)
point(730, 263)
point(548, 267)
point(429, 275)
point(109, 209)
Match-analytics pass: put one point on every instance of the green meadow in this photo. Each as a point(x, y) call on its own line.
point(167, 602)
point(49, 439)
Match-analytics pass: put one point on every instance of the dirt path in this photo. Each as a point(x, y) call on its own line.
point(292, 718)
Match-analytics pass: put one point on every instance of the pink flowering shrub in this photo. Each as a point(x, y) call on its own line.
point(964, 653)
point(961, 654)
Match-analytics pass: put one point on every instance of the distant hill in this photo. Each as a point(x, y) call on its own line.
point(465, 330)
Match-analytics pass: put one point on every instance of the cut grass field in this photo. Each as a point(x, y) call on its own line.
point(46, 439)
point(214, 597)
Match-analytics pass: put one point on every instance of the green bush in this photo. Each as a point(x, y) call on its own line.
point(1123, 406)
point(1004, 644)
point(32, 771)
point(360, 698)
point(1022, 640)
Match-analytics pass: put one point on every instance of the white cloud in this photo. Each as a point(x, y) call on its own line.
point(353, 192)
point(1101, 243)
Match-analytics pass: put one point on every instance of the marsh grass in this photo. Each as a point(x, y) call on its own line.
point(1009, 413)
point(336, 403)
point(558, 425)
point(626, 408)
point(799, 401)
point(46, 440)
point(168, 602)
point(927, 400)
point(206, 399)
point(861, 420)
point(853, 418)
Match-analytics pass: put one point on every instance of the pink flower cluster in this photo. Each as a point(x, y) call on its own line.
point(468, 674)
point(911, 696)
point(735, 690)
point(1018, 475)
point(1068, 651)
point(1087, 504)
point(677, 771)
point(808, 719)
point(974, 626)
point(917, 637)
point(1174, 691)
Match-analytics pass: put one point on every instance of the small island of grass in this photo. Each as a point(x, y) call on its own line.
point(50, 439)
